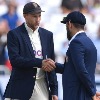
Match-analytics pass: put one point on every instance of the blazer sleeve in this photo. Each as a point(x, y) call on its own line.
point(17, 60)
point(77, 51)
point(59, 68)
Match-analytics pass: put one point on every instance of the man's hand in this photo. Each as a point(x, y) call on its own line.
point(54, 97)
point(98, 94)
point(48, 65)
point(95, 97)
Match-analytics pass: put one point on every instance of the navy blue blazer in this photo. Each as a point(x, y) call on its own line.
point(23, 61)
point(79, 69)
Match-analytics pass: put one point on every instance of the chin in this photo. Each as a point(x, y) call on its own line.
point(36, 26)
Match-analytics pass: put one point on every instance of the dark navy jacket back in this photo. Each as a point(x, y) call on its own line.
point(79, 70)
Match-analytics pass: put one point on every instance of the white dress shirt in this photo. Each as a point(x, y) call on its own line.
point(37, 49)
point(40, 89)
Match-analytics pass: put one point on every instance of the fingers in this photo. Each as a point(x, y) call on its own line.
point(48, 65)
point(51, 63)
point(54, 97)
point(98, 95)
point(47, 68)
point(95, 97)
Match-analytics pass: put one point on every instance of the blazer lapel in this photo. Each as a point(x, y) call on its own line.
point(43, 43)
point(27, 39)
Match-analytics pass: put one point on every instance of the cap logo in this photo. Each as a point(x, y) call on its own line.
point(35, 5)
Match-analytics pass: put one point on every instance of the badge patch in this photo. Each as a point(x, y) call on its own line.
point(35, 5)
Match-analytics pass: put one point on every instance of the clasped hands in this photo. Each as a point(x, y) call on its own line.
point(48, 65)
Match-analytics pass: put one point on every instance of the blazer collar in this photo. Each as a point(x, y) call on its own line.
point(27, 39)
point(42, 39)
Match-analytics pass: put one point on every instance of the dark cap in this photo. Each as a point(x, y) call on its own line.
point(75, 17)
point(32, 7)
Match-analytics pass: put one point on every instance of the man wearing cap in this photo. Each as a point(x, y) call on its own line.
point(28, 47)
point(79, 67)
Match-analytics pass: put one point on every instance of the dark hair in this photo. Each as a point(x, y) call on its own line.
point(78, 26)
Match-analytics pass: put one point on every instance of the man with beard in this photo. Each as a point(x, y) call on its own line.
point(79, 67)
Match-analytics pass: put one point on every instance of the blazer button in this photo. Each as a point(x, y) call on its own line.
point(33, 76)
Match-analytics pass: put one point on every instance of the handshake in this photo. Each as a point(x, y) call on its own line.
point(48, 65)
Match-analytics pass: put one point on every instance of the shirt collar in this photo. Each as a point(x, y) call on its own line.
point(75, 35)
point(30, 31)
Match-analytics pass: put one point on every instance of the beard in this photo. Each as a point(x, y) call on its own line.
point(69, 34)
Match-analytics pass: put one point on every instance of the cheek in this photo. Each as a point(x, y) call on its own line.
point(40, 19)
point(32, 20)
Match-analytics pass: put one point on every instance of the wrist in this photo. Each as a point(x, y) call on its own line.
point(93, 97)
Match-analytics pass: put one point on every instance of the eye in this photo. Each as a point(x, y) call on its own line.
point(39, 15)
point(34, 16)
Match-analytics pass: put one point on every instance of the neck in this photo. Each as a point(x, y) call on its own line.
point(75, 31)
point(33, 28)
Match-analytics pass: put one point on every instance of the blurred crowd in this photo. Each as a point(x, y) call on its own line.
point(11, 16)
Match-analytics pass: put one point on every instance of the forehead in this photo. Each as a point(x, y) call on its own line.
point(35, 14)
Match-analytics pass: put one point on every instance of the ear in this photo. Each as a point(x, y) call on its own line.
point(70, 24)
point(24, 15)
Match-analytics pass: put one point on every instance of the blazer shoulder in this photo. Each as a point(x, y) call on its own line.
point(80, 38)
point(17, 30)
point(77, 42)
point(45, 30)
